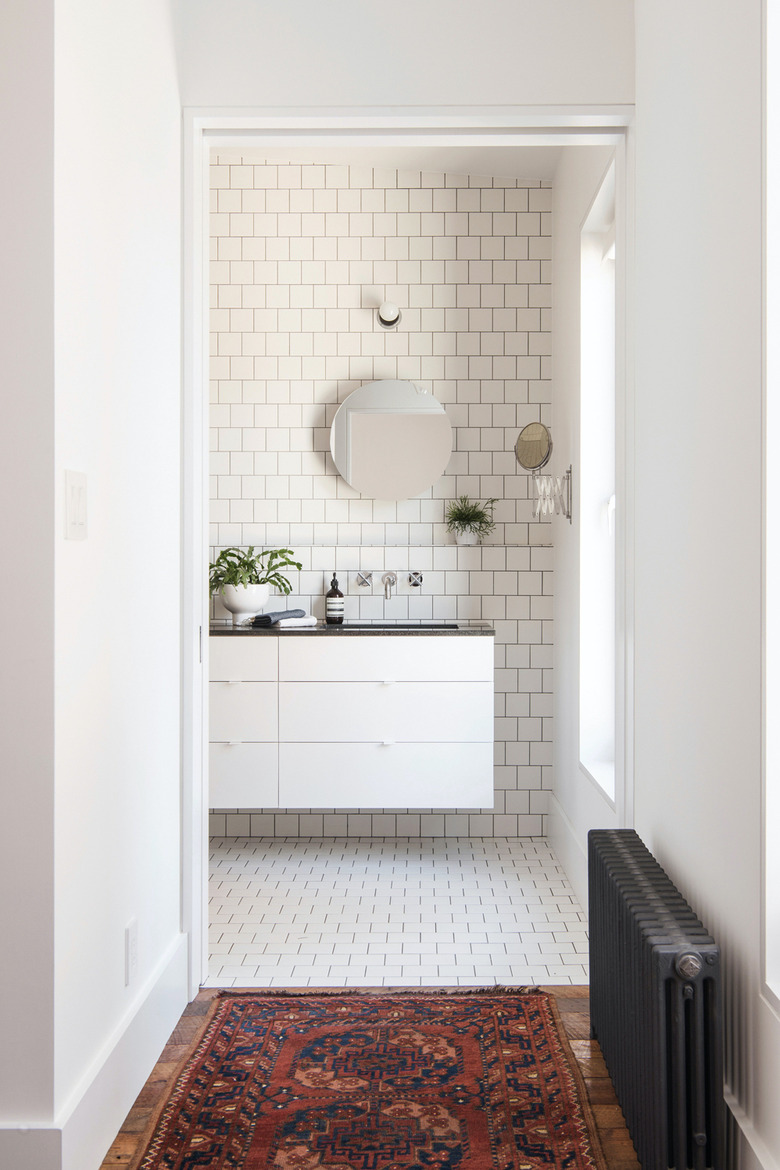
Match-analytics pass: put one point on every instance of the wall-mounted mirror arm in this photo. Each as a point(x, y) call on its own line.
point(553, 492)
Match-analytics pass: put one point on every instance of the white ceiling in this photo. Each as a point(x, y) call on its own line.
point(504, 162)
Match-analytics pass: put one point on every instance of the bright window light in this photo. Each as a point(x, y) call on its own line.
point(597, 502)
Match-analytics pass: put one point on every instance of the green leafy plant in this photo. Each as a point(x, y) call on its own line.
point(234, 566)
point(465, 515)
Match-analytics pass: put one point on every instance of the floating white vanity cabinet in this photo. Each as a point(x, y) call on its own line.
point(244, 723)
point(386, 722)
point(343, 720)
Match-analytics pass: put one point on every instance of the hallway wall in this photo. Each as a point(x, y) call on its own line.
point(698, 516)
point(27, 534)
point(90, 705)
point(349, 54)
point(117, 269)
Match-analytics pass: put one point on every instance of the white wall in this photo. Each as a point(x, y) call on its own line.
point(91, 351)
point(577, 803)
point(117, 266)
point(348, 53)
point(26, 537)
point(698, 491)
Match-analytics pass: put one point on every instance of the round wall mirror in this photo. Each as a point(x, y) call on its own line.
point(391, 440)
point(534, 446)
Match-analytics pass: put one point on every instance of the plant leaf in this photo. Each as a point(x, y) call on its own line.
point(235, 566)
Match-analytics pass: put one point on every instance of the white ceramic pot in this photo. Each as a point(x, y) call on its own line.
point(466, 536)
point(244, 601)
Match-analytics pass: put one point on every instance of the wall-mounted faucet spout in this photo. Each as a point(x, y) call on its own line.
point(388, 580)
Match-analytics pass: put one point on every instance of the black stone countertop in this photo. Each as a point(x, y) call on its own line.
point(355, 627)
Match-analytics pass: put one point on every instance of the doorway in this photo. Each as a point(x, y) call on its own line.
point(515, 134)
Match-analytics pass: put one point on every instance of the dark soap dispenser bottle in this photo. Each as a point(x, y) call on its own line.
point(334, 604)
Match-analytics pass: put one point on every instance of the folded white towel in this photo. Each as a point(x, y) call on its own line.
point(284, 623)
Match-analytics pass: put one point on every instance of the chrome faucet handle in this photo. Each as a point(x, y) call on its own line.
point(389, 580)
point(415, 578)
point(365, 579)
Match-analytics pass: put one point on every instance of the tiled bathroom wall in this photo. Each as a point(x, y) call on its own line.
point(302, 255)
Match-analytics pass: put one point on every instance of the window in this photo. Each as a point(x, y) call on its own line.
point(597, 502)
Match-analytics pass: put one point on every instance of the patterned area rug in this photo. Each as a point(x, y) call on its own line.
point(398, 1080)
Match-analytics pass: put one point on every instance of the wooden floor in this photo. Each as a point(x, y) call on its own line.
point(572, 1005)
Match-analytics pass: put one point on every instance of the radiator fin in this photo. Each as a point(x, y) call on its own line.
point(655, 1005)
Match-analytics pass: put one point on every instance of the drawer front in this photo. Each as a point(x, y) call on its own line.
point(371, 711)
point(244, 657)
point(369, 775)
point(354, 658)
point(244, 775)
point(243, 711)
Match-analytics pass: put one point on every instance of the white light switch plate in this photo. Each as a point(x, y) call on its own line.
point(131, 951)
point(75, 505)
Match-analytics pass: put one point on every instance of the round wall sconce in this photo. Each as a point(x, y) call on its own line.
point(388, 315)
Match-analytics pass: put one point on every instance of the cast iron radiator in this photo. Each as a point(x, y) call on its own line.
point(655, 1005)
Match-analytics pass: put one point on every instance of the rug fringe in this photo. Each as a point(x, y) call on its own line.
point(298, 992)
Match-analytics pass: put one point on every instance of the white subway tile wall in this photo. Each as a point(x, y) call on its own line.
point(301, 257)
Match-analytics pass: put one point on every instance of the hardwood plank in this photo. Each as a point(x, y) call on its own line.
point(577, 1025)
point(617, 1145)
point(609, 1116)
point(600, 1091)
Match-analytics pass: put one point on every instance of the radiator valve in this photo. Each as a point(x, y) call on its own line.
point(688, 965)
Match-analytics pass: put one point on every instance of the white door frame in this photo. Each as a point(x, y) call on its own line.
point(203, 129)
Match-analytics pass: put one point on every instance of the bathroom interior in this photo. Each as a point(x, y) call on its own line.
point(436, 875)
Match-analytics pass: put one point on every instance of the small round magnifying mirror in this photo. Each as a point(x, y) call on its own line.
point(534, 446)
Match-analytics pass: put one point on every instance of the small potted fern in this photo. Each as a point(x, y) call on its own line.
point(242, 579)
point(470, 520)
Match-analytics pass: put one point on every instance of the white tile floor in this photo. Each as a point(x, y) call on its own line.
point(368, 912)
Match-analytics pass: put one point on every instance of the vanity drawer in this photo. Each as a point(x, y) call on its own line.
point(243, 711)
point(355, 658)
point(401, 711)
point(244, 657)
point(371, 775)
point(243, 775)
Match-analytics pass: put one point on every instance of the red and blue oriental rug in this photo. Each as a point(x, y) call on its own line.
point(411, 1080)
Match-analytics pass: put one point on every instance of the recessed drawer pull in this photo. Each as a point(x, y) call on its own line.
point(234, 742)
point(388, 682)
point(388, 742)
point(231, 682)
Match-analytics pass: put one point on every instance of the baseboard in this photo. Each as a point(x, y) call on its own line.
point(569, 850)
point(101, 1102)
point(31, 1149)
point(94, 1121)
point(752, 1152)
